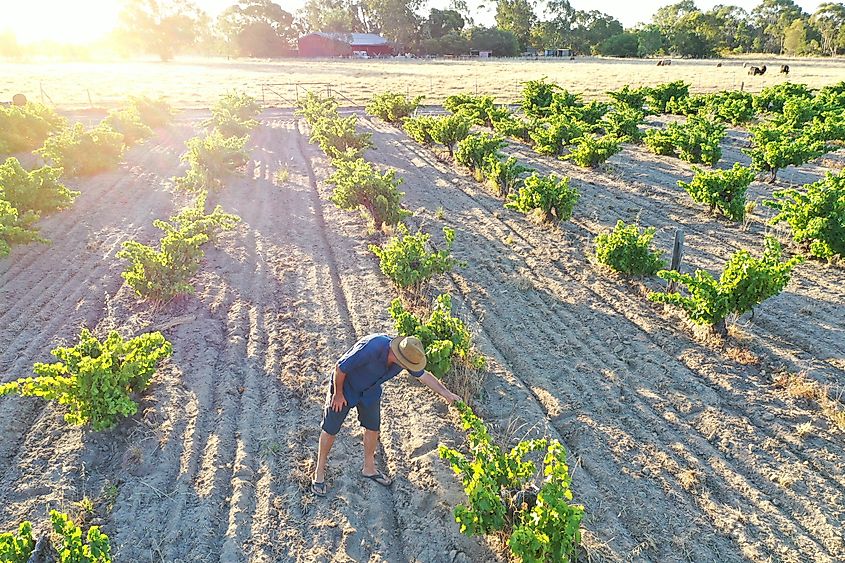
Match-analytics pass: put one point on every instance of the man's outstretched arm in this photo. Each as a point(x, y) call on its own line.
point(435, 385)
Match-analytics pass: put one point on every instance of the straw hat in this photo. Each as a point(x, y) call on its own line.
point(409, 352)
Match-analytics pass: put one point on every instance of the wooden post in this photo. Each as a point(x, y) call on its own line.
point(90, 103)
point(677, 255)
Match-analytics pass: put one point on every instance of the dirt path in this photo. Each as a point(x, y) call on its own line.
point(692, 453)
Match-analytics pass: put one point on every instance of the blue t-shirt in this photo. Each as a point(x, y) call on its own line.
point(365, 366)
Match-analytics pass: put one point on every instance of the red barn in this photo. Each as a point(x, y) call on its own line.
point(322, 44)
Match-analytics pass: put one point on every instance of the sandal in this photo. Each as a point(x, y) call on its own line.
point(379, 478)
point(318, 489)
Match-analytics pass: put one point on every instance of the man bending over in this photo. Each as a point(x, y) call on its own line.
point(356, 382)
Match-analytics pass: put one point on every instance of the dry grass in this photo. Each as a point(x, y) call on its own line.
point(195, 82)
point(800, 386)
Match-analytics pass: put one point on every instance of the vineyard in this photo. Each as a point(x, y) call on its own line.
point(175, 287)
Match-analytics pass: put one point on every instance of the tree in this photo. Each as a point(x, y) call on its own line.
point(501, 43)
point(331, 15)
point(442, 22)
point(622, 45)
point(161, 27)
point(518, 17)
point(733, 29)
point(591, 28)
point(772, 17)
point(257, 28)
point(397, 20)
point(650, 40)
point(795, 38)
point(829, 21)
point(9, 46)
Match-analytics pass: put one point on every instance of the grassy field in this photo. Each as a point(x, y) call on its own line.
point(193, 83)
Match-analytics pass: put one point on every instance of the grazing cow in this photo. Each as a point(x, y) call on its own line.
point(718, 65)
point(757, 71)
point(784, 69)
point(664, 62)
point(745, 64)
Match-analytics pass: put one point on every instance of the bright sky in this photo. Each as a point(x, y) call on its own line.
point(81, 21)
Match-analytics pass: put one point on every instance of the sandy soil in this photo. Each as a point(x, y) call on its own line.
point(198, 82)
point(679, 451)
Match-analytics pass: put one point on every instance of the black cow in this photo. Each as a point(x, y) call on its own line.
point(784, 69)
point(757, 71)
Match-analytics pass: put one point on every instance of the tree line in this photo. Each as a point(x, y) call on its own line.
point(262, 28)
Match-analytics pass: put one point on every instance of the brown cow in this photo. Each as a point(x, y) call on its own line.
point(757, 71)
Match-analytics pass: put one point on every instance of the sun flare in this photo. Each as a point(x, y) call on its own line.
point(59, 21)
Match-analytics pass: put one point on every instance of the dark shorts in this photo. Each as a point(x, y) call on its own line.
point(368, 416)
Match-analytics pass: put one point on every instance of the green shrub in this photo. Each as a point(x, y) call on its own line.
point(193, 220)
point(627, 249)
point(774, 147)
point(512, 127)
point(450, 130)
point(16, 548)
point(591, 151)
point(82, 153)
point(313, 108)
point(480, 110)
point(407, 262)
point(96, 379)
point(420, 128)
point(745, 282)
point(591, 113)
point(772, 98)
point(234, 114)
point(473, 151)
point(553, 135)
point(338, 137)
point(624, 124)
point(697, 140)
point(815, 214)
point(392, 106)
point(733, 107)
point(537, 97)
point(16, 228)
point(504, 175)
point(25, 128)
point(212, 160)
point(563, 100)
point(154, 113)
point(549, 197)
point(162, 273)
point(71, 548)
point(128, 123)
point(358, 184)
point(445, 338)
point(502, 495)
point(721, 189)
point(629, 98)
point(40, 190)
point(660, 96)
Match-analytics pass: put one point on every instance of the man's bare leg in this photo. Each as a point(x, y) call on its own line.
point(326, 443)
point(370, 443)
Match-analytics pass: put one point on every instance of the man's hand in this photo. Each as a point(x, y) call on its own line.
point(338, 402)
point(451, 397)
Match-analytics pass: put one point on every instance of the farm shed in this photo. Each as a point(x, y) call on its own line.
point(322, 44)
